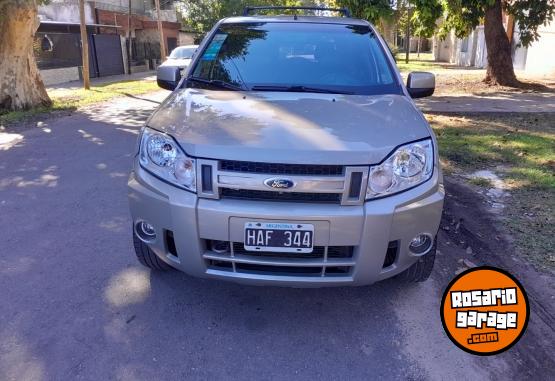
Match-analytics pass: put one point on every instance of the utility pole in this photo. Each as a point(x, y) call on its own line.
point(84, 46)
point(162, 45)
point(407, 35)
point(129, 39)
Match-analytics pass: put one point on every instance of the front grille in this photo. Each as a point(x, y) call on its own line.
point(317, 252)
point(258, 195)
point(310, 271)
point(281, 169)
point(338, 263)
point(281, 270)
point(340, 251)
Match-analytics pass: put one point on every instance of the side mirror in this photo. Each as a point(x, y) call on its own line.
point(421, 84)
point(168, 77)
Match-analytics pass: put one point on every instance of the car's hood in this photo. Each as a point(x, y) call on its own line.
point(286, 127)
point(179, 62)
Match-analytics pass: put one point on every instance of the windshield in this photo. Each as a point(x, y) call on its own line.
point(182, 52)
point(298, 56)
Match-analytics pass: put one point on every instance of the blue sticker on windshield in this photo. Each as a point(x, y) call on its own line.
point(213, 49)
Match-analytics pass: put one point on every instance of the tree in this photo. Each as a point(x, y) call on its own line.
point(463, 16)
point(201, 15)
point(423, 17)
point(21, 85)
point(371, 10)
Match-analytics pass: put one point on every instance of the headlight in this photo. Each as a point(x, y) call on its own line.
point(160, 155)
point(408, 166)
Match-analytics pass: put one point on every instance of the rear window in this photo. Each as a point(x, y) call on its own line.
point(182, 53)
point(341, 57)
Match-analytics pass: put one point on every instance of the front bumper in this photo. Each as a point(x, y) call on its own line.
point(368, 229)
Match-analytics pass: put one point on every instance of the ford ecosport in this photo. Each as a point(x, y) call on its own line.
point(289, 153)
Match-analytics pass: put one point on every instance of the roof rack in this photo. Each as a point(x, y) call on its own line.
point(345, 11)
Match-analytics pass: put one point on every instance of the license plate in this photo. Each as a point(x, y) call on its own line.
point(279, 237)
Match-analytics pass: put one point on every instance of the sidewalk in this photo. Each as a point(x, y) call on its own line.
point(147, 75)
point(490, 103)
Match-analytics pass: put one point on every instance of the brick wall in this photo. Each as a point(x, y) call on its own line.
point(142, 25)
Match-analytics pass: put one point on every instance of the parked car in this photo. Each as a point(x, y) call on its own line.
point(179, 59)
point(292, 154)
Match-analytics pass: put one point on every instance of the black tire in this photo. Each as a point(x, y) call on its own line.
point(147, 257)
point(421, 270)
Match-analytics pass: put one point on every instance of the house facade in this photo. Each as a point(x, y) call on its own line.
point(143, 26)
point(58, 42)
point(537, 59)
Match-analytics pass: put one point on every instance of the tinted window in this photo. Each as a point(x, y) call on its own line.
point(182, 53)
point(340, 57)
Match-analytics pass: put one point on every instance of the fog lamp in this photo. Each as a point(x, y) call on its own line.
point(421, 244)
point(145, 231)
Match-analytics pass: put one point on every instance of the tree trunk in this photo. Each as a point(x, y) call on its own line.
point(418, 48)
point(20, 83)
point(500, 64)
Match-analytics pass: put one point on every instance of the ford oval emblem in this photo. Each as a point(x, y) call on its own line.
point(279, 183)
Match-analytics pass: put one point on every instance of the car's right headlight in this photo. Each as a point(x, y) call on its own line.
point(160, 155)
point(408, 166)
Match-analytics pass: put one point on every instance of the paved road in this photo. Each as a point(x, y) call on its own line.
point(76, 304)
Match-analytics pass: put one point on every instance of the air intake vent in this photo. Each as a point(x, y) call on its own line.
point(170, 243)
point(391, 254)
point(258, 195)
point(207, 185)
point(356, 182)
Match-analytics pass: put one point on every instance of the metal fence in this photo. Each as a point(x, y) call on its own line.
point(141, 51)
point(56, 50)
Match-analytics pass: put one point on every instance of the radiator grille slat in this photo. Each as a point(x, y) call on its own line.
point(281, 169)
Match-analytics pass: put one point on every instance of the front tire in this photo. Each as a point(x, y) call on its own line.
point(422, 269)
point(146, 256)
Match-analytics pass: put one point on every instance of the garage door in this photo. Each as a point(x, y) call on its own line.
point(108, 54)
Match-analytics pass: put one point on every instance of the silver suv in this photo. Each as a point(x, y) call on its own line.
point(290, 153)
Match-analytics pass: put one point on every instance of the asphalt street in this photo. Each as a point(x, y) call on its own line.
point(76, 304)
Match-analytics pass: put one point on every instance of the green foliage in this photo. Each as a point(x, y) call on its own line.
point(371, 10)
point(461, 16)
point(464, 15)
point(529, 15)
point(201, 15)
point(424, 17)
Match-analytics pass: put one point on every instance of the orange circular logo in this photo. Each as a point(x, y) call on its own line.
point(485, 311)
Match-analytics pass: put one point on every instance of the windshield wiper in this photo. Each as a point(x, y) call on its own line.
point(216, 83)
point(299, 89)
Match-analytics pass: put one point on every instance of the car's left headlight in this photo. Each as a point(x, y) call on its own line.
point(407, 167)
point(160, 155)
